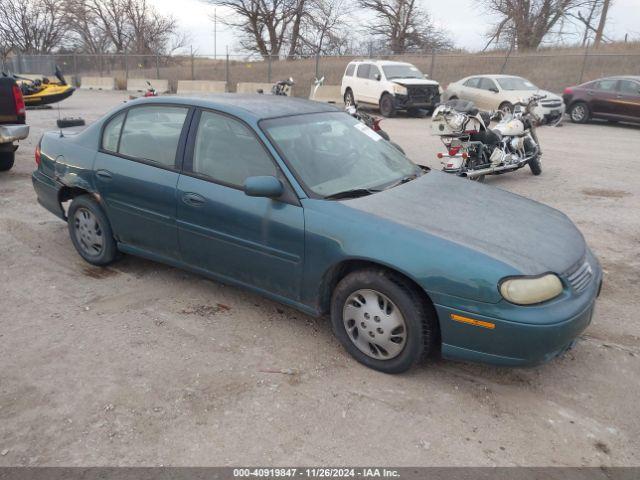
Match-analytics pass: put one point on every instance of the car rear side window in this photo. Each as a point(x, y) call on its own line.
point(629, 87)
point(487, 84)
point(111, 133)
point(350, 68)
point(227, 151)
point(472, 82)
point(152, 133)
point(363, 70)
point(606, 85)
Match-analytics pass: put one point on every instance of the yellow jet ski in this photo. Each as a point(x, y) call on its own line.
point(44, 92)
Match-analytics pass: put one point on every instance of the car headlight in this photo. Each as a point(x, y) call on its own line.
point(399, 89)
point(530, 290)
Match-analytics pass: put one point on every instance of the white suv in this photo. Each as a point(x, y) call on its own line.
point(392, 86)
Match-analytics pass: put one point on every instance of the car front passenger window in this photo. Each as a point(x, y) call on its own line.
point(227, 151)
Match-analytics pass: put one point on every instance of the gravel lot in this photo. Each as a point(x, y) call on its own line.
point(142, 364)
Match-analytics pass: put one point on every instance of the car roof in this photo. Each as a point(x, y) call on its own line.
point(381, 62)
point(257, 106)
point(618, 77)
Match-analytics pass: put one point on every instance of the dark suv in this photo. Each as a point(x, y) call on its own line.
point(611, 98)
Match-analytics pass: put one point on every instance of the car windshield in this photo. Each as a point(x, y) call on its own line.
point(515, 83)
point(333, 154)
point(401, 71)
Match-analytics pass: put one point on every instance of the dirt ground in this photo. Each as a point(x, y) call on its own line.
point(142, 364)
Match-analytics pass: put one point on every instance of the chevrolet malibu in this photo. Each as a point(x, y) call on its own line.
point(300, 202)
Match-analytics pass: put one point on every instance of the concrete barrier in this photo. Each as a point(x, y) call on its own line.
point(328, 94)
point(98, 83)
point(194, 87)
point(140, 84)
point(253, 87)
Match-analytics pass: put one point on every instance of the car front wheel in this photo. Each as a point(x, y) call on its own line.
point(387, 105)
point(579, 112)
point(90, 231)
point(382, 320)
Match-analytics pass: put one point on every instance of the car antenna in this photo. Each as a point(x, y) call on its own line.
point(59, 123)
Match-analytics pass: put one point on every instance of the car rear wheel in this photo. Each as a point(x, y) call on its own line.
point(90, 231)
point(349, 100)
point(387, 105)
point(6, 161)
point(382, 320)
point(506, 107)
point(579, 112)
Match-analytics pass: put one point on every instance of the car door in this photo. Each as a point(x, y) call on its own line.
point(603, 97)
point(362, 83)
point(136, 173)
point(628, 99)
point(255, 241)
point(469, 89)
point(488, 97)
point(373, 91)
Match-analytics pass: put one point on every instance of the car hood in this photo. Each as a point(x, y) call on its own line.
point(414, 81)
point(529, 236)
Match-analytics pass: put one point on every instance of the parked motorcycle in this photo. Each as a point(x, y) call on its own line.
point(474, 150)
point(281, 87)
point(372, 122)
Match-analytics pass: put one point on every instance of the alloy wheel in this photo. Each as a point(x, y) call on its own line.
point(374, 324)
point(578, 113)
point(88, 232)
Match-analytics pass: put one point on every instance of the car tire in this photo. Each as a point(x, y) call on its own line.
point(579, 112)
point(535, 165)
point(90, 231)
point(506, 107)
point(6, 160)
point(394, 304)
point(349, 99)
point(387, 105)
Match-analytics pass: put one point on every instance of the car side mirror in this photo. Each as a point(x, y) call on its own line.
point(493, 89)
point(377, 77)
point(269, 187)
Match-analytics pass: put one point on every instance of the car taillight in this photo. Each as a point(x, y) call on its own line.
point(18, 100)
point(567, 91)
point(38, 155)
point(454, 151)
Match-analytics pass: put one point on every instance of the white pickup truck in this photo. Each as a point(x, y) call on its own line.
point(12, 121)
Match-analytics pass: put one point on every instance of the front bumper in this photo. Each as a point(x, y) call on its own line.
point(13, 133)
point(509, 335)
point(553, 115)
point(407, 101)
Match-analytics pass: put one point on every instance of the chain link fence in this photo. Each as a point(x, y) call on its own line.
point(547, 70)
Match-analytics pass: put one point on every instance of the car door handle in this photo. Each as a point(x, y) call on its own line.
point(104, 174)
point(193, 199)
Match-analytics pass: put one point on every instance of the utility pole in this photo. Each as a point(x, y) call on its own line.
point(215, 34)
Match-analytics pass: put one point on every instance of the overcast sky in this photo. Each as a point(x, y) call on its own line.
point(462, 18)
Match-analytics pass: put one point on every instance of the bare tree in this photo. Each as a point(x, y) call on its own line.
point(404, 26)
point(601, 24)
point(592, 17)
point(32, 26)
point(88, 36)
point(525, 23)
point(324, 28)
point(267, 27)
point(134, 26)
